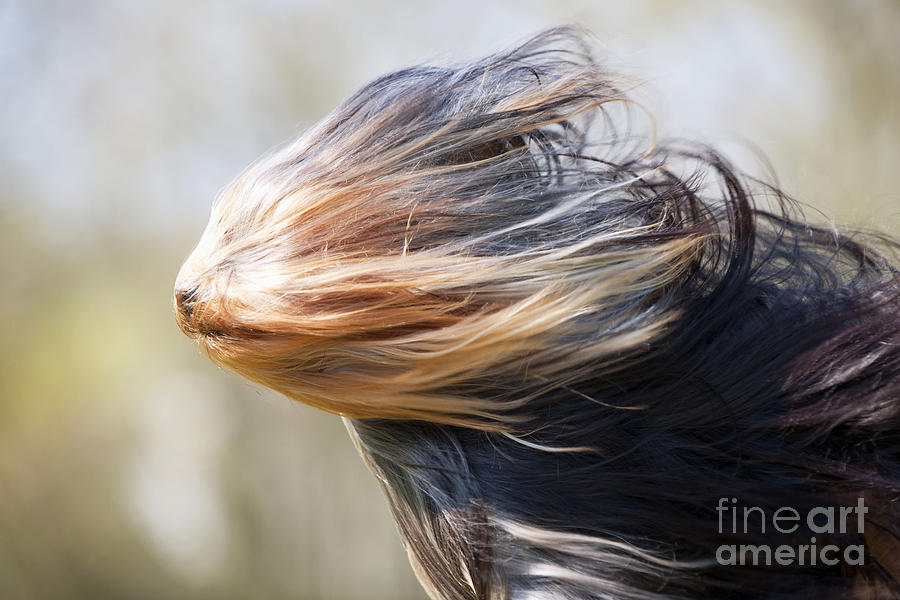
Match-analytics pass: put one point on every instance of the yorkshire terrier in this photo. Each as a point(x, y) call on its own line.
point(580, 365)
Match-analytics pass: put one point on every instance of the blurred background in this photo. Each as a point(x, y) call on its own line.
point(130, 467)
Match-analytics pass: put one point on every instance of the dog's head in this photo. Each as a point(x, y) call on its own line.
point(440, 247)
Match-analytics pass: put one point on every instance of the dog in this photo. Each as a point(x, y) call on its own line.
point(581, 364)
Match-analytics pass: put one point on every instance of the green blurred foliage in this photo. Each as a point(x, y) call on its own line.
point(130, 467)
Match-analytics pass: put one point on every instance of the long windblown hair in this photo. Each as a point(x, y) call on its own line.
point(560, 346)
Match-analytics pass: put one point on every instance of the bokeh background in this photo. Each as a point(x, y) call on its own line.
point(130, 467)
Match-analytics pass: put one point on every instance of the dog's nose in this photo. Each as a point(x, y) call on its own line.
point(185, 300)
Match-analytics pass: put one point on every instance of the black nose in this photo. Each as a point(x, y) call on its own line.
point(185, 300)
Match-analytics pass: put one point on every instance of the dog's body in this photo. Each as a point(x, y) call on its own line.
point(559, 353)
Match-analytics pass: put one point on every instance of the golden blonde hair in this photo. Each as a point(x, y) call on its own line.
point(382, 266)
